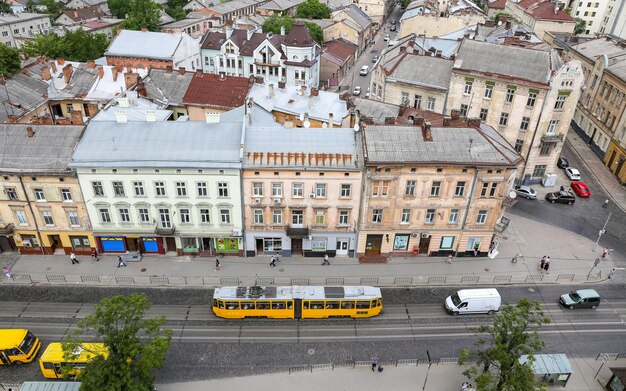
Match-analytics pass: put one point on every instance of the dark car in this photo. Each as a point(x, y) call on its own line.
point(562, 163)
point(562, 197)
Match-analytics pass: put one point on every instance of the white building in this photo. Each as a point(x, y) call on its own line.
point(594, 13)
point(160, 187)
point(12, 26)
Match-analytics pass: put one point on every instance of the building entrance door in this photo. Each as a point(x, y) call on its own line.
point(342, 247)
point(424, 244)
point(296, 247)
point(373, 244)
point(170, 244)
point(55, 242)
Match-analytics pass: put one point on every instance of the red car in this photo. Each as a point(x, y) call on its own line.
point(581, 189)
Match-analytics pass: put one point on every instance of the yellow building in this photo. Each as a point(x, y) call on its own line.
point(433, 191)
point(41, 205)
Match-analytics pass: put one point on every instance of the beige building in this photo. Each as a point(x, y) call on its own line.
point(14, 26)
point(540, 16)
point(433, 190)
point(377, 10)
point(529, 96)
point(438, 18)
point(41, 206)
point(352, 24)
point(301, 190)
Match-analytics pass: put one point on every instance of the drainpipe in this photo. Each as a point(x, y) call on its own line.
point(467, 209)
point(32, 212)
point(532, 141)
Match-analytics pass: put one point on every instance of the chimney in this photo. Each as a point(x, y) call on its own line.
point(130, 79)
point(67, 72)
point(281, 85)
point(151, 116)
point(114, 73)
point(181, 70)
point(447, 120)
point(199, 72)
point(53, 65)
point(128, 68)
point(222, 76)
point(473, 122)
point(100, 72)
point(315, 92)
point(168, 69)
point(438, 53)
point(455, 114)
point(119, 67)
point(12, 119)
point(120, 117)
point(402, 49)
point(330, 120)
point(77, 117)
point(390, 120)
point(270, 90)
point(229, 32)
point(212, 118)
point(91, 64)
point(30, 132)
point(45, 74)
point(282, 30)
point(60, 61)
point(141, 89)
point(426, 133)
point(419, 120)
point(144, 30)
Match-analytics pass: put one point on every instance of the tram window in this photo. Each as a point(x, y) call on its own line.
point(289, 304)
point(305, 305)
point(262, 305)
point(362, 304)
point(232, 305)
point(247, 305)
point(214, 302)
point(278, 305)
point(332, 305)
point(317, 305)
point(48, 365)
point(220, 304)
point(380, 303)
point(374, 303)
point(347, 305)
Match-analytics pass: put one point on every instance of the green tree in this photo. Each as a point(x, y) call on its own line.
point(404, 3)
point(177, 13)
point(274, 23)
point(313, 9)
point(316, 32)
point(76, 45)
point(9, 60)
point(514, 333)
point(119, 8)
point(580, 27)
point(136, 346)
point(499, 15)
point(5, 7)
point(54, 7)
point(142, 14)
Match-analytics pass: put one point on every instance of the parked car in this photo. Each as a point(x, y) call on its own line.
point(583, 298)
point(393, 22)
point(356, 91)
point(473, 301)
point(526, 191)
point(562, 197)
point(392, 28)
point(562, 163)
point(572, 173)
point(581, 189)
point(367, 92)
point(387, 37)
point(364, 70)
point(374, 59)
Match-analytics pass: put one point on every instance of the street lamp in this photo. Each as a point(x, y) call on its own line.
point(602, 231)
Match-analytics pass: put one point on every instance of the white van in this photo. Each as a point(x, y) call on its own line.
point(474, 301)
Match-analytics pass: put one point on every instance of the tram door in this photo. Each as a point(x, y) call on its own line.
point(297, 308)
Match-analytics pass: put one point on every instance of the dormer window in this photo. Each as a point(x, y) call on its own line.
point(230, 48)
point(295, 58)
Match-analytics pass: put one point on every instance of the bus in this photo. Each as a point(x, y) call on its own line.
point(52, 361)
point(18, 346)
point(297, 302)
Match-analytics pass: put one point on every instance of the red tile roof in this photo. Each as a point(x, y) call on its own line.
point(224, 92)
point(498, 4)
point(84, 13)
point(527, 3)
point(340, 48)
point(545, 11)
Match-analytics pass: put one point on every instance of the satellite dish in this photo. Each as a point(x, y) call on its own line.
point(356, 127)
point(301, 116)
point(307, 124)
point(512, 194)
point(324, 125)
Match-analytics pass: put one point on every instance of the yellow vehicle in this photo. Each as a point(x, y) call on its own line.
point(52, 361)
point(299, 302)
point(18, 346)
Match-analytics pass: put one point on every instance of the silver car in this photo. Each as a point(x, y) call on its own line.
point(526, 191)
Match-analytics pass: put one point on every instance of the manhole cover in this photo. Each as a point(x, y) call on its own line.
point(531, 290)
point(143, 270)
point(311, 351)
point(505, 238)
point(486, 269)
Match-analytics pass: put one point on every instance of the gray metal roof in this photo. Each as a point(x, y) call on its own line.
point(314, 141)
point(25, 93)
point(234, 5)
point(50, 386)
point(509, 61)
point(281, 4)
point(359, 17)
point(50, 149)
point(378, 111)
point(434, 72)
point(549, 364)
point(615, 56)
point(160, 144)
point(144, 44)
point(386, 143)
point(167, 88)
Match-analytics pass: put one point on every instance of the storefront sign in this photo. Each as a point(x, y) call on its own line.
point(401, 242)
point(230, 245)
point(318, 245)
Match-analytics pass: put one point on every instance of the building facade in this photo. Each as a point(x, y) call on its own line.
point(436, 19)
point(14, 26)
point(540, 16)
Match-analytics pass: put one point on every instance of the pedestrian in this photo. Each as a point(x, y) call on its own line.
point(449, 258)
point(94, 254)
point(542, 263)
point(273, 261)
point(476, 248)
point(546, 266)
point(374, 363)
point(7, 272)
point(605, 252)
point(325, 260)
point(562, 188)
point(218, 265)
point(120, 261)
point(73, 258)
point(277, 257)
point(611, 273)
point(606, 203)
point(465, 385)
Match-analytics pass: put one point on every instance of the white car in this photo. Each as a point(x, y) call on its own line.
point(364, 70)
point(387, 37)
point(572, 173)
point(357, 90)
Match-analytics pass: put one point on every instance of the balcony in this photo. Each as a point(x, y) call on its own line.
point(552, 138)
point(161, 231)
point(7, 229)
point(267, 64)
point(297, 233)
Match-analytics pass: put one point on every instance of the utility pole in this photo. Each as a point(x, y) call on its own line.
point(602, 231)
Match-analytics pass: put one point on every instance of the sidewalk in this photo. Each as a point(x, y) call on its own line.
point(572, 260)
point(440, 377)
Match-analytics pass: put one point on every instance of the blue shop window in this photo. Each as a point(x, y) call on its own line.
point(112, 243)
point(151, 245)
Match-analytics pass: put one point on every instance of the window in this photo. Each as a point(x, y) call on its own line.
point(406, 216)
point(344, 217)
point(560, 102)
point(98, 191)
point(481, 218)
point(124, 215)
point(434, 189)
point(460, 189)
point(297, 189)
point(320, 190)
point(417, 101)
point(405, 97)
point(164, 214)
point(69, 107)
point(431, 104)
point(320, 217)
point(525, 123)
point(11, 193)
point(464, 110)
point(39, 195)
point(105, 217)
point(139, 190)
point(409, 190)
point(277, 189)
point(430, 216)
point(532, 98)
point(504, 119)
point(297, 218)
point(205, 216)
point(380, 188)
point(483, 113)
point(258, 216)
point(181, 189)
point(377, 216)
point(277, 216)
point(202, 189)
point(454, 216)
point(468, 87)
point(518, 145)
point(492, 190)
point(72, 216)
point(257, 189)
point(484, 190)
point(21, 217)
point(66, 194)
point(545, 148)
point(488, 91)
point(225, 216)
point(345, 190)
point(539, 170)
point(552, 126)
point(159, 189)
point(510, 93)
point(185, 217)
point(144, 215)
point(118, 189)
point(222, 189)
point(447, 242)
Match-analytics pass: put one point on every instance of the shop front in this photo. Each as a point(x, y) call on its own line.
point(54, 242)
point(122, 244)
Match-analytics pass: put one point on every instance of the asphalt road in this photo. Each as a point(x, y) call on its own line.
point(586, 216)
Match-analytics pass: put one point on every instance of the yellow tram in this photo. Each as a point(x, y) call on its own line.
point(299, 302)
